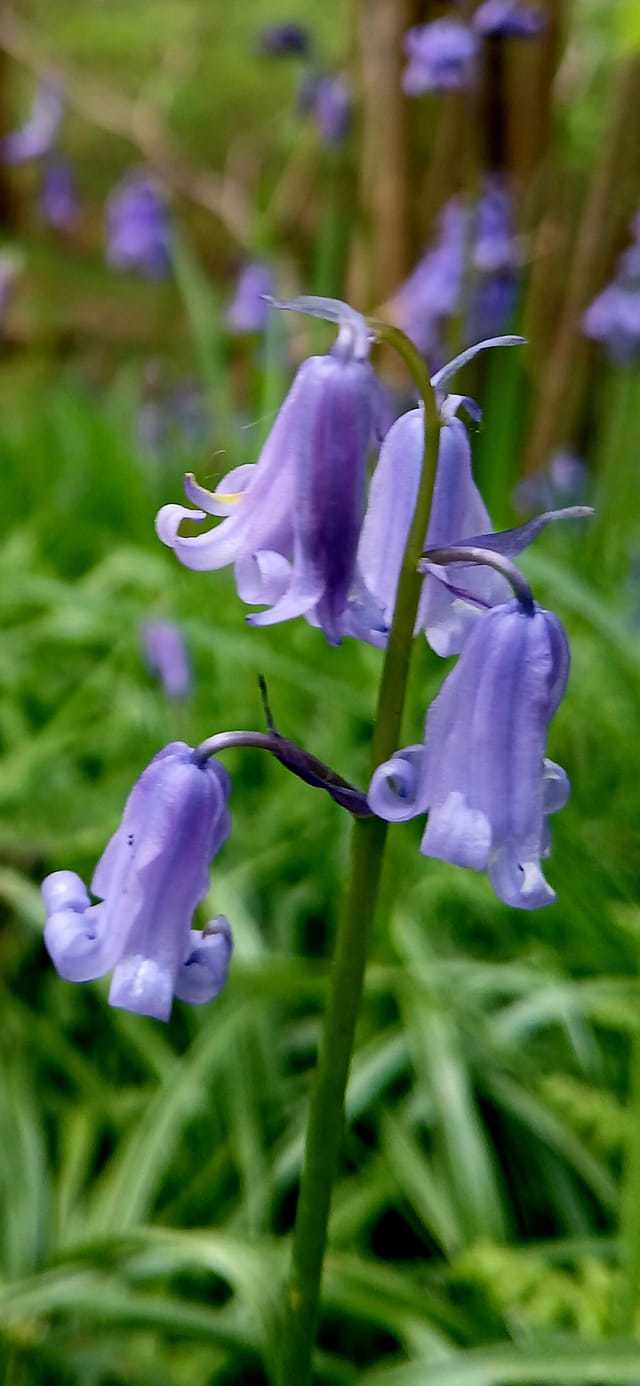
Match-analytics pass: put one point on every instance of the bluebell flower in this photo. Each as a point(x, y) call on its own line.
point(453, 599)
point(138, 229)
point(495, 259)
point(426, 302)
point(248, 309)
point(36, 138)
point(58, 198)
point(284, 40)
point(481, 774)
point(442, 56)
point(614, 316)
point(332, 108)
point(166, 656)
point(293, 518)
point(151, 876)
point(508, 19)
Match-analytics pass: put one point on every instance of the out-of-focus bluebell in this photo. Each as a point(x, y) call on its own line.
point(475, 250)
point(614, 316)
point(138, 227)
point(509, 19)
point(328, 98)
point(149, 880)
point(442, 56)
point(166, 656)
point(495, 259)
point(284, 40)
point(248, 310)
point(58, 199)
point(426, 302)
point(36, 138)
point(564, 482)
point(481, 774)
point(333, 108)
point(293, 519)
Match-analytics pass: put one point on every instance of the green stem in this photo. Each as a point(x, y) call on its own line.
point(629, 1301)
point(326, 1113)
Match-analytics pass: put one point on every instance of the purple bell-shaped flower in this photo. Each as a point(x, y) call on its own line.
point(151, 876)
point(293, 518)
point(481, 774)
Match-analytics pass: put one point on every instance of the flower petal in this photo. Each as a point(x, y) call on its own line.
point(204, 972)
point(395, 789)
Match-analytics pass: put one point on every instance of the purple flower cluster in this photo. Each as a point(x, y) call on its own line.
point(475, 256)
point(309, 537)
point(58, 199)
point(443, 55)
point(614, 316)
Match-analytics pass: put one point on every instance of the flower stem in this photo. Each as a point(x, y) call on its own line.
point(326, 1113)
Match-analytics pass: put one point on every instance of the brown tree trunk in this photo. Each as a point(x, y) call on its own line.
point(384, 255)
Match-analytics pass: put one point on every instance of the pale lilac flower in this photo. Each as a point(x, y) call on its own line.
point(453, 598)
point(58, 199)
point(563, 482)
point(494, 262)
point(166, 656)
point(36, 138)
point(138, 229)
point(293, 519)
point(614, 316)
point(442, 56)
point(508, 19)
point(249, 309)
point(481, 774)
point(151, 876)
point(284, 40)
point(424, 304)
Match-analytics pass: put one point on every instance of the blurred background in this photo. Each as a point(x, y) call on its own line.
point(162, 167)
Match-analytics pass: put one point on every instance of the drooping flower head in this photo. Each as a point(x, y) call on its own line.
point(166, 656)
point(508, 19)
point(36, 138)
point(284, 40)
point(442, 56)
point(248, 309)
point(481, 774)
point(149, 879)
point(293, 519)
point(138, 229)
point(452, 600)
point(614, 316)
point(58, 198)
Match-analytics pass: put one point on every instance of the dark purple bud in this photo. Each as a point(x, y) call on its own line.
point(36, 138)
point(149, 880)
point(248, 310)
point(166, 656)
point(284, 40)
point(138, 229)
point(481, 774)
point(508, 19)
point(58, 200)
point(442, 57)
